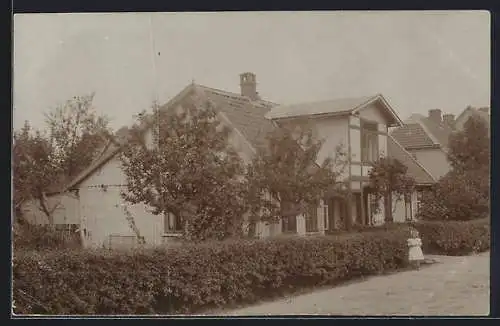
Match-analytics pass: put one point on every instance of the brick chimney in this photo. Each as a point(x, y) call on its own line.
point(449, 119)
point(248, 85)
point(435, 115)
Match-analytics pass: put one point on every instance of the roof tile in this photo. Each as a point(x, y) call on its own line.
point(412, 135)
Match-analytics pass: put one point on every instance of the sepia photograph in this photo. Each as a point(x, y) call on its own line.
point(312, 163)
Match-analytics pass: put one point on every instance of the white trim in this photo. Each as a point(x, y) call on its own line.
point(386, 104)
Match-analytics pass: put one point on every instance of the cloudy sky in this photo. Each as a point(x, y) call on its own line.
point(418, 60)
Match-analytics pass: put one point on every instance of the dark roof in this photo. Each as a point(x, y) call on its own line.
point(415, 169)
point(112, 147)
point(413, 135)
point(246, 115)
point(421, 132)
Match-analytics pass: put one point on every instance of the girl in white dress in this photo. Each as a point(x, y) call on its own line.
point(415, 254)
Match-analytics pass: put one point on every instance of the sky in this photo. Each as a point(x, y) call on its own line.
point(417, 60)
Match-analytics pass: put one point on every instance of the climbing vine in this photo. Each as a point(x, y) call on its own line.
point(132, 225)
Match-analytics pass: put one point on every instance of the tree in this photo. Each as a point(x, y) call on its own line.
point(34, 169)
point(284, 177)
point(470, 148)
point(388, 181)
point(189, 171)
point(464, 192)
point(43, 159)
point(76, 132)
point(456, 196)
point(469, 153)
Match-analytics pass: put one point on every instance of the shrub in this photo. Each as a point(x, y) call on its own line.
point(454, 238)
point(37, 237)
point(458, 197)
point(196, 277)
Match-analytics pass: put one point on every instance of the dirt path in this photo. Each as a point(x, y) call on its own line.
point(452, 286)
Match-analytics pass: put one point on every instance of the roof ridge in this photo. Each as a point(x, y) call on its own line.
point(236, 95)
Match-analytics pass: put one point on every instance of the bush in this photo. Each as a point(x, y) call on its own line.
point(457, 197)
point(196, 277)
point(37, 237)
point(454, 238)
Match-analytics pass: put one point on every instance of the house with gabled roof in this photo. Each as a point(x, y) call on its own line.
point(426, 138)
point(361, 124)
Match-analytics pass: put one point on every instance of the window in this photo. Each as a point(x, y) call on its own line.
point(312, 219)
point(369, 142)
point(289, 224)
point(172, 223)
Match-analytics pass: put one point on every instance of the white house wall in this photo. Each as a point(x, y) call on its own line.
point(372, 112)
point(103, 213)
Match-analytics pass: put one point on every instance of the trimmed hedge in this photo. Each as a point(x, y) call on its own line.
point(197, 277)
point(455, 238)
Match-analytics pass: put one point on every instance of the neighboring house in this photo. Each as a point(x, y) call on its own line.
point(426, 138)
point(361, 124)
point(483, 113)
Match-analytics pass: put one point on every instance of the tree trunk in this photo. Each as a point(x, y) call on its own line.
point(388, 208)
point(43, 205)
